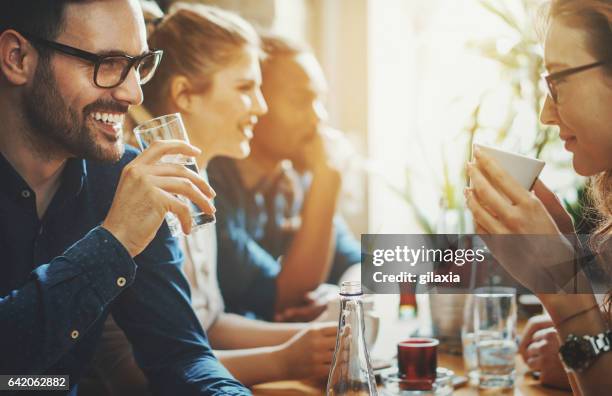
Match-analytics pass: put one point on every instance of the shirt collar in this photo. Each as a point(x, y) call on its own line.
point(12, 183)
point(73, 176)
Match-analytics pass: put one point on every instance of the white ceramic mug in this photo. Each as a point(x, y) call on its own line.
point(523, 169)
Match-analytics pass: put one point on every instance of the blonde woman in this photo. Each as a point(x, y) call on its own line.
point(211, 76)
point(578, 57)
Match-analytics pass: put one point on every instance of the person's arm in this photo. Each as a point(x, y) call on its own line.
point(44, 319)
point(155, 312)
point(539, 348)
point(308, 259)
point(347, 254)
point(169, 344)
point(255, 365)
point(231, 331)
point(113, 365)
point(595, 380)
point(247, 273)
point(541, 214)
point(308, 354)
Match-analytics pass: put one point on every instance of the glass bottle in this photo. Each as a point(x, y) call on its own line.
point(408, 302)
point(351, 372)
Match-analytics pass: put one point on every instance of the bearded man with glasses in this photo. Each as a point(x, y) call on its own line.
point(81, 216)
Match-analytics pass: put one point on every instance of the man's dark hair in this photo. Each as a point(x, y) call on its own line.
point(42, 18)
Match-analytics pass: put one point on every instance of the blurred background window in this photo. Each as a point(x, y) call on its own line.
point(412, 82)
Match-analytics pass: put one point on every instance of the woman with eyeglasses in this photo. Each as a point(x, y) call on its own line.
point(211, 76)
point(578, 56)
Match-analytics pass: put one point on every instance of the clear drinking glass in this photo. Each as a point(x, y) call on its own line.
point(171, 127)
point(495, 335)
point(468, 341)
point(351, 371)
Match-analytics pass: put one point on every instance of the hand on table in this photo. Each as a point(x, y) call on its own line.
point(539, 348)
point(314, 304)
point(309, 353)
point(534, 324)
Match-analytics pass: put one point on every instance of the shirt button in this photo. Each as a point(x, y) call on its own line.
point(25, 193)
point(121, 281)
point(74, 335)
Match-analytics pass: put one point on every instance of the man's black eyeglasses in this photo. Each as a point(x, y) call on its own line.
point(552, 78)
point(109, 70)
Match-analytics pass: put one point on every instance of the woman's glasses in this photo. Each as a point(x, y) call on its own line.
point(553, 78)
point(109, 70)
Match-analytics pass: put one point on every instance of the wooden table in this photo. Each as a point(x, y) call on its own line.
point(526, 385)
point(392, 331)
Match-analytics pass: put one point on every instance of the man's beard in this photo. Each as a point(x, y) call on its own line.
point(56, 129)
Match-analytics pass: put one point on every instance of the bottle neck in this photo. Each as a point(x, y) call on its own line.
point(351, 301)
point(351, 297)
point(351, 309)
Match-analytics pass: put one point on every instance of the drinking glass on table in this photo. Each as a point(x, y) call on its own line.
point(171, 127)
point(495, 336)
point(468, 341)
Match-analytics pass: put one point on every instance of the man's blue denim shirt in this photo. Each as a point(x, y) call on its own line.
point(60, 277)
point(252, 235)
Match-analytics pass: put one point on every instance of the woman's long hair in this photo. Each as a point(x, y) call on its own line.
point(594, 17)
point(601, 195)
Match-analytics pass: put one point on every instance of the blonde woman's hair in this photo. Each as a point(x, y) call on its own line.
point(197, 41)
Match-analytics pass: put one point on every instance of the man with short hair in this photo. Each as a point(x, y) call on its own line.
point(278, 235)
point(80, 214)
